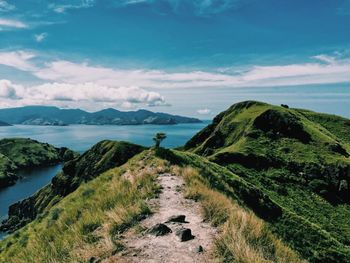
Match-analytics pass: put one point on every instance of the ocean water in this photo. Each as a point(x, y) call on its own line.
point(31, 181)
point(80, 138)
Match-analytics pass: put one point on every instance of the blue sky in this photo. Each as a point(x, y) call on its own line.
point(179, 56)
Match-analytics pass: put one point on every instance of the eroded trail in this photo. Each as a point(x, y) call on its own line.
point(148, 247)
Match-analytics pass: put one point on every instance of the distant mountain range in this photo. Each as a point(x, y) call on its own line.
point(2, 123)
point(46, 115)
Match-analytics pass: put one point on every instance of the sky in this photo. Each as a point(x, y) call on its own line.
point(193, 58)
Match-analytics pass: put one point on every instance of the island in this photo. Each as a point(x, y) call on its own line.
point(23, 153)
point(53, 116)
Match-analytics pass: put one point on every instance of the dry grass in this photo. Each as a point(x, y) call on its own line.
point(243, 236)
point(87, 223)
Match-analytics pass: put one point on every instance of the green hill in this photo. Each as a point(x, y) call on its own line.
point(21, 153)
point(89, 223)
point(274, 181)
point(300, 159)
point(100, 158)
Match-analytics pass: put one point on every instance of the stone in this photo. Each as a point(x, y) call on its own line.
point(199, 249)
point(184, 234)
point(176, 219)
point(159, 230)
point(94, 260)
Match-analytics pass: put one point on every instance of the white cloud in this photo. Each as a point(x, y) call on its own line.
point(5, 6)
point(204, 111)
point(75, 95)
point(319, 72)
point(8, 90)
point(196, 7)
point(18, 59)
point(133, 2)
point(11, 23)
point(325, 58)
point(324, 70)
point(65, 5)
point(40, 37)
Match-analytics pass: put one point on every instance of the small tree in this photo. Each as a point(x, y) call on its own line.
point(158, 138)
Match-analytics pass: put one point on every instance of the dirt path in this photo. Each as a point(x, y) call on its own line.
point(168, 248)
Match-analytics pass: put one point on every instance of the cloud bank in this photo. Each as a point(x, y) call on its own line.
point(20, 60)
point(11, 23)
point(71, 95)
point(64, 5)
point(196, 7)
point(70, 83)
point(323, 69)
point(204, 111)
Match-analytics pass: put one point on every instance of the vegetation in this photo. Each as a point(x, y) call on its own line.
point(158, 138)
point(274, 180)
point(20, 153)
point(88, 222)
point(244, 237)
point(300, 160)
point(100, 158)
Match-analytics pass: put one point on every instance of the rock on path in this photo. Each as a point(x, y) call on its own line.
point(145, 247)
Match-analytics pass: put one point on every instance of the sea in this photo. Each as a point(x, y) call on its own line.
point(80, 138)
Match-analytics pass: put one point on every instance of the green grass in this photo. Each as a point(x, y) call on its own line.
point(243, 237)
point(18, 153)
point(337, 125)
point(289, 167)
point(6, 165)
point(100, 158)
point(300, 160)
point(87, 222)
point(26, 152)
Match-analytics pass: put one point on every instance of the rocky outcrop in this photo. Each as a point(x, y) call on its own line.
point(177, 219)
point(159, 230)
point(184, 234)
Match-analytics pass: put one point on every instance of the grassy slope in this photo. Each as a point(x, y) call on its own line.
point(23, 153)
point(6, 169)
point(87, 223)
point(100, 158)
point(304, 169)
point(27, 152)
point(337, 125)
point(243, 237)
